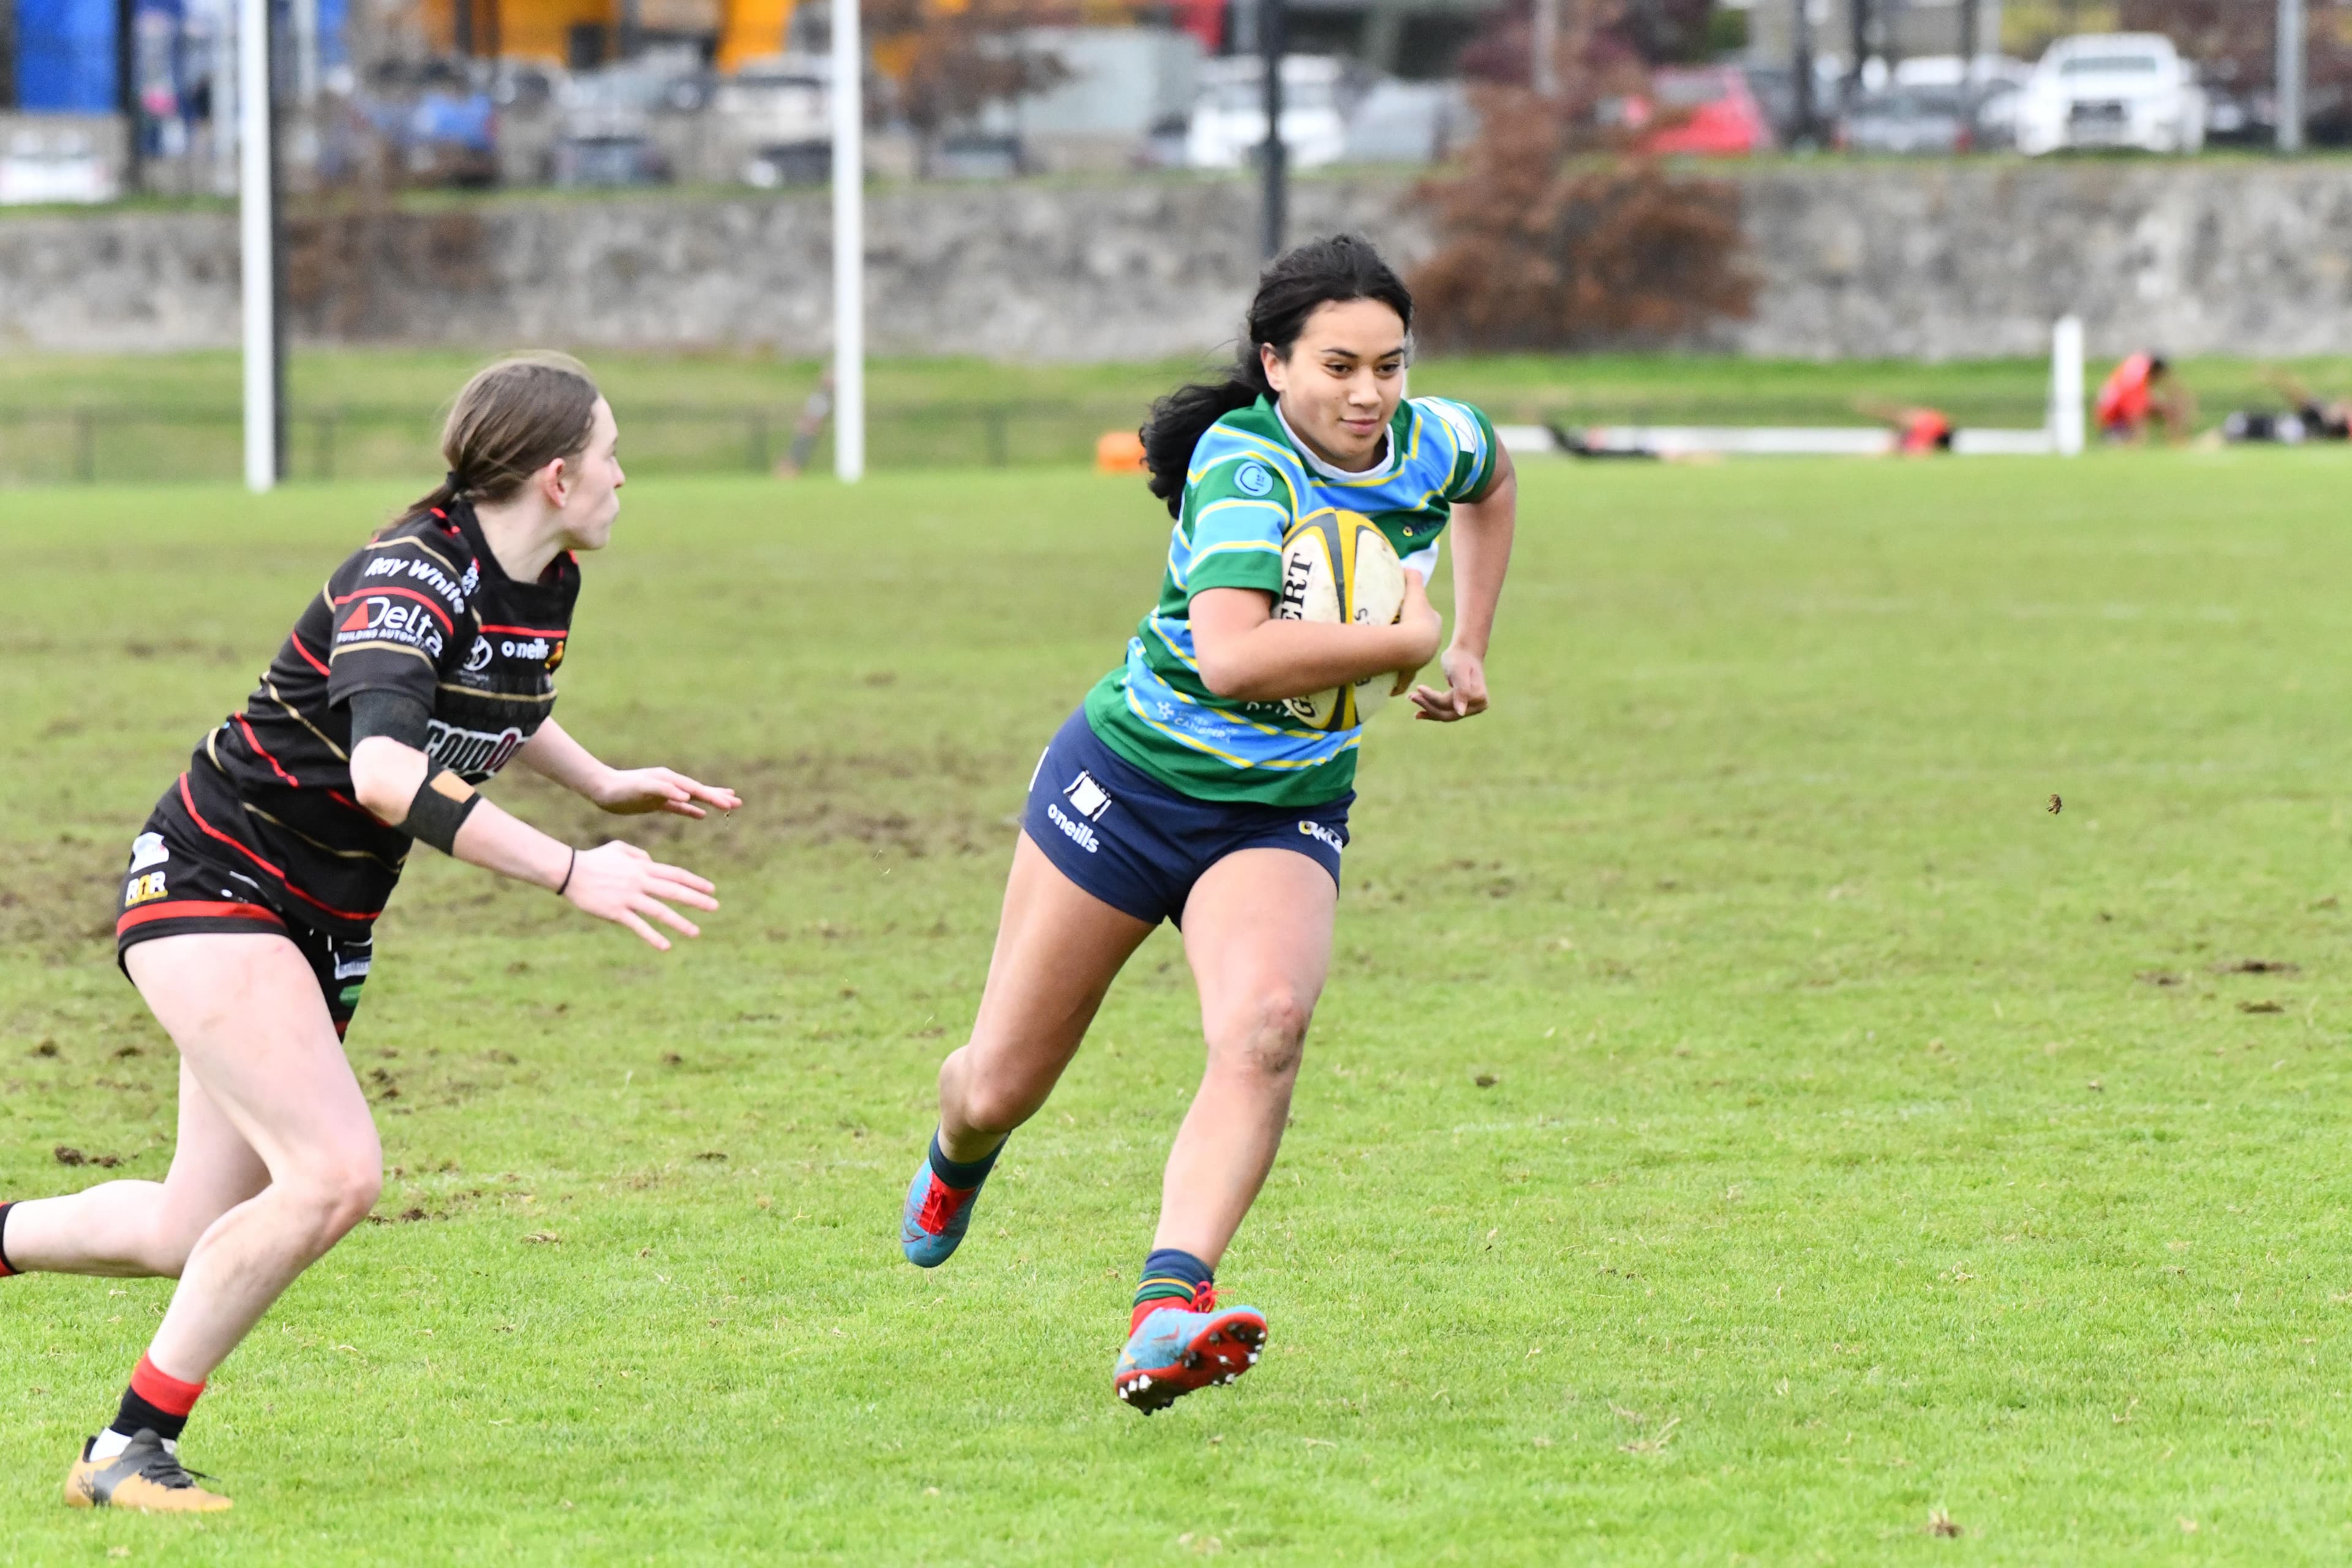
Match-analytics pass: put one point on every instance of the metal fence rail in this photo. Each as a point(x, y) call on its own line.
point(120, 444)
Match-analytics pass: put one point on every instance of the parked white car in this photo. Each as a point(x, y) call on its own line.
point(1409, 122)
point(777, 114)
point(63, 160)
point(1228, 124)
point(2112, 89)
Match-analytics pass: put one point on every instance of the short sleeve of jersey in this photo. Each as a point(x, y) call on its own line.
point(1237, 507)
point(393, 610)
point(1474, 446)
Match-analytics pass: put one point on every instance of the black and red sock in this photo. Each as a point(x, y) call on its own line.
point(155, 1402)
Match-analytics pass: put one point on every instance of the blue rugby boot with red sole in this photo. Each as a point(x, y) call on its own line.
point(936, 1216)
point(1174, 1351)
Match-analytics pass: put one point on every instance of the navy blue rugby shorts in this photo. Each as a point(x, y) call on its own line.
point(1140, 846)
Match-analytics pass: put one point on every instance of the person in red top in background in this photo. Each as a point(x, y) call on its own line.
point(1918, 432)
point(2142, 389)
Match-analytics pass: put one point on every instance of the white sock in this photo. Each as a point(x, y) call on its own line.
point(110, 1444)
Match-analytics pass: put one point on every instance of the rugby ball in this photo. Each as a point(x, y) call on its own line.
point(1339, 566)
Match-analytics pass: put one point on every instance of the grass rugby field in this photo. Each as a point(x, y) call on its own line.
point(1743, 1119)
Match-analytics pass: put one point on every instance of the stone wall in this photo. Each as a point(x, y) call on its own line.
point(1931, 260)
point(1946, 261)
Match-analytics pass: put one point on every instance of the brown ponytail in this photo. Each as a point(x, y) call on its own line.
point(513, 419)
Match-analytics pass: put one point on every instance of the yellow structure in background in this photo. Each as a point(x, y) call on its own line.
point(553, 30)
point(752, 29)
point(517, 29)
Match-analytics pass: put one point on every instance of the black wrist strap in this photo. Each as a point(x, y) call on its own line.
point(570, 866)
point(440, 807)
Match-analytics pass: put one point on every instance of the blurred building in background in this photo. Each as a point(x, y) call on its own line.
point(100, 96)
point(1890, 32)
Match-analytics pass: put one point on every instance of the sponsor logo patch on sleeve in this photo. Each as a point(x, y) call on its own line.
point(382, 618)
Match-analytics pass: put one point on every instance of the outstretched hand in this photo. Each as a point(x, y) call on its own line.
point(634, 792)
point(1466, 678)
point(621, 883)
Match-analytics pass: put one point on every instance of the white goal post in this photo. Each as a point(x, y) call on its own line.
point(848, 94)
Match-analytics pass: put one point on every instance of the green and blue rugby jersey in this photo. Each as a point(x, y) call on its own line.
point(1249, 481)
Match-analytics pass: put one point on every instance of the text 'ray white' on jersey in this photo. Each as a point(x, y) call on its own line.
point(1249, 480)
point(423, 610)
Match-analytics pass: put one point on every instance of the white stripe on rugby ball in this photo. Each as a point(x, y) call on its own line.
point(1331, 559)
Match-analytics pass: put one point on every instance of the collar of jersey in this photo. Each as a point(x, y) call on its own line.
point(1382, 470)
point(469, 528)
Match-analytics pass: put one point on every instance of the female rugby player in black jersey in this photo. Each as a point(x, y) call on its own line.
point(423, 667)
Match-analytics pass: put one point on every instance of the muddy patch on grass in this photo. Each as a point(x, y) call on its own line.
point(58, 899)
point(943, 800)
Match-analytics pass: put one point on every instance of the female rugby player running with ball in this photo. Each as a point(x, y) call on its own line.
point(423, 667)
point(1183, 791)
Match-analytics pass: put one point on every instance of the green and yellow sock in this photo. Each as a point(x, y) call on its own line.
point(1172, 1277)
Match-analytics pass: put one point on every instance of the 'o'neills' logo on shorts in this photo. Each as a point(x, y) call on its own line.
point(1077, 833)
point(1316, 830)
point(473, 755)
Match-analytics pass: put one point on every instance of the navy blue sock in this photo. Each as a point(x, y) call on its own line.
point(1171, 1274)
point(962, 1174)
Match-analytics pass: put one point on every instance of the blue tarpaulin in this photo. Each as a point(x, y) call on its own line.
point(65, 56)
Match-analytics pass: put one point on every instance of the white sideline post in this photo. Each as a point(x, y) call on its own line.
point(2288, 38)
point(2066, 386)
point(255, 231)
point(848, 245)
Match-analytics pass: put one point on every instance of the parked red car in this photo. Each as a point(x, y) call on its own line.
point(1707, 111)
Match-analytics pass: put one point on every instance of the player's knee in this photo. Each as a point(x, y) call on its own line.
point(173, 1239)
point(335, 1196)
point(1269, 1035)
point(353, 1194)
point(997, 1106)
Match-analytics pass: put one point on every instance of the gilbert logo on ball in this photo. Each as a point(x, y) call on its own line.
point(1339, 566)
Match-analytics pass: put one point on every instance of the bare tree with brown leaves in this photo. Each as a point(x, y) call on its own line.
point(948, 59)
point(1549, 242)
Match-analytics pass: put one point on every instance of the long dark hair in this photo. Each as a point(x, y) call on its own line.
point(513, 419)
point(1293, 285)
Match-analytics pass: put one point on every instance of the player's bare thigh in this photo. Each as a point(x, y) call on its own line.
point(1257, 934)
point(254, 1032)
point(1059, 947)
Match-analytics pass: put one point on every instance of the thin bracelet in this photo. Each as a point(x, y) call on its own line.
point(568, 870)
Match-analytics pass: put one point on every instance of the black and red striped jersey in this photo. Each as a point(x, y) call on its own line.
point(423, 610)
